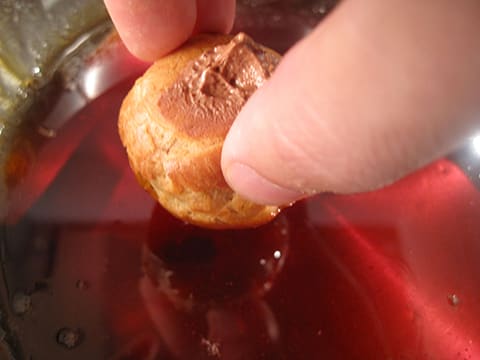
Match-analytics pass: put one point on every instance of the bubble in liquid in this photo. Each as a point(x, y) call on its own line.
point(22, 93)
point(320, 8)
point(453, 299)
point(82, 285)
point(46, 132)
point(212, 348)
point(37, 71)
point(69, 338)
point(21, 303)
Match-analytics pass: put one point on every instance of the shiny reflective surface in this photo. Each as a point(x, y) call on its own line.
point(41, 42)
point(391, 274)
point(94, 269)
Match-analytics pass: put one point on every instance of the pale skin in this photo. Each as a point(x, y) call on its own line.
point(379, 89)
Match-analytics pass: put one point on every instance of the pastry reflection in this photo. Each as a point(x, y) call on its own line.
point(204, 288)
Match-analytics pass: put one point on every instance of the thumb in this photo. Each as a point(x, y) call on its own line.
point(376, 91)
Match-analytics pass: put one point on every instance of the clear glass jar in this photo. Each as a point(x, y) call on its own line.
point(93, 268)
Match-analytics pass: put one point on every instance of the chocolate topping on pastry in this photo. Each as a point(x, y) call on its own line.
point(210, 92)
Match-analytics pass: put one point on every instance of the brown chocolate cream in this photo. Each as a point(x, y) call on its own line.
point(210, 91)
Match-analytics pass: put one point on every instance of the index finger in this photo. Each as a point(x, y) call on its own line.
point(152, 28)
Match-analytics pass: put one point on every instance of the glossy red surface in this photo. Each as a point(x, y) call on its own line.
point(392, 274)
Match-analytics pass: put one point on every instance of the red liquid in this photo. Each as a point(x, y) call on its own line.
point(393, 274)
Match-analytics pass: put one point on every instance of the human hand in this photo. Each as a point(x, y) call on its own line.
point(153, 28)
point(376, 91)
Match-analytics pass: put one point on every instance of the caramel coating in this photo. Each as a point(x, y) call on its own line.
point(180, 167)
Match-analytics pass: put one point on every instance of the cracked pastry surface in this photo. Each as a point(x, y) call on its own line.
point(175, 118)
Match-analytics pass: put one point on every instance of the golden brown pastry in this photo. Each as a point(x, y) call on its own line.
point(175, 118)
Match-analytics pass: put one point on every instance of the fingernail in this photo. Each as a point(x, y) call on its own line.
point(252, 186)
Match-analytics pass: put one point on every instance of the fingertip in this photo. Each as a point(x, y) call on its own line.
point(150, 28)
point(251, 185)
